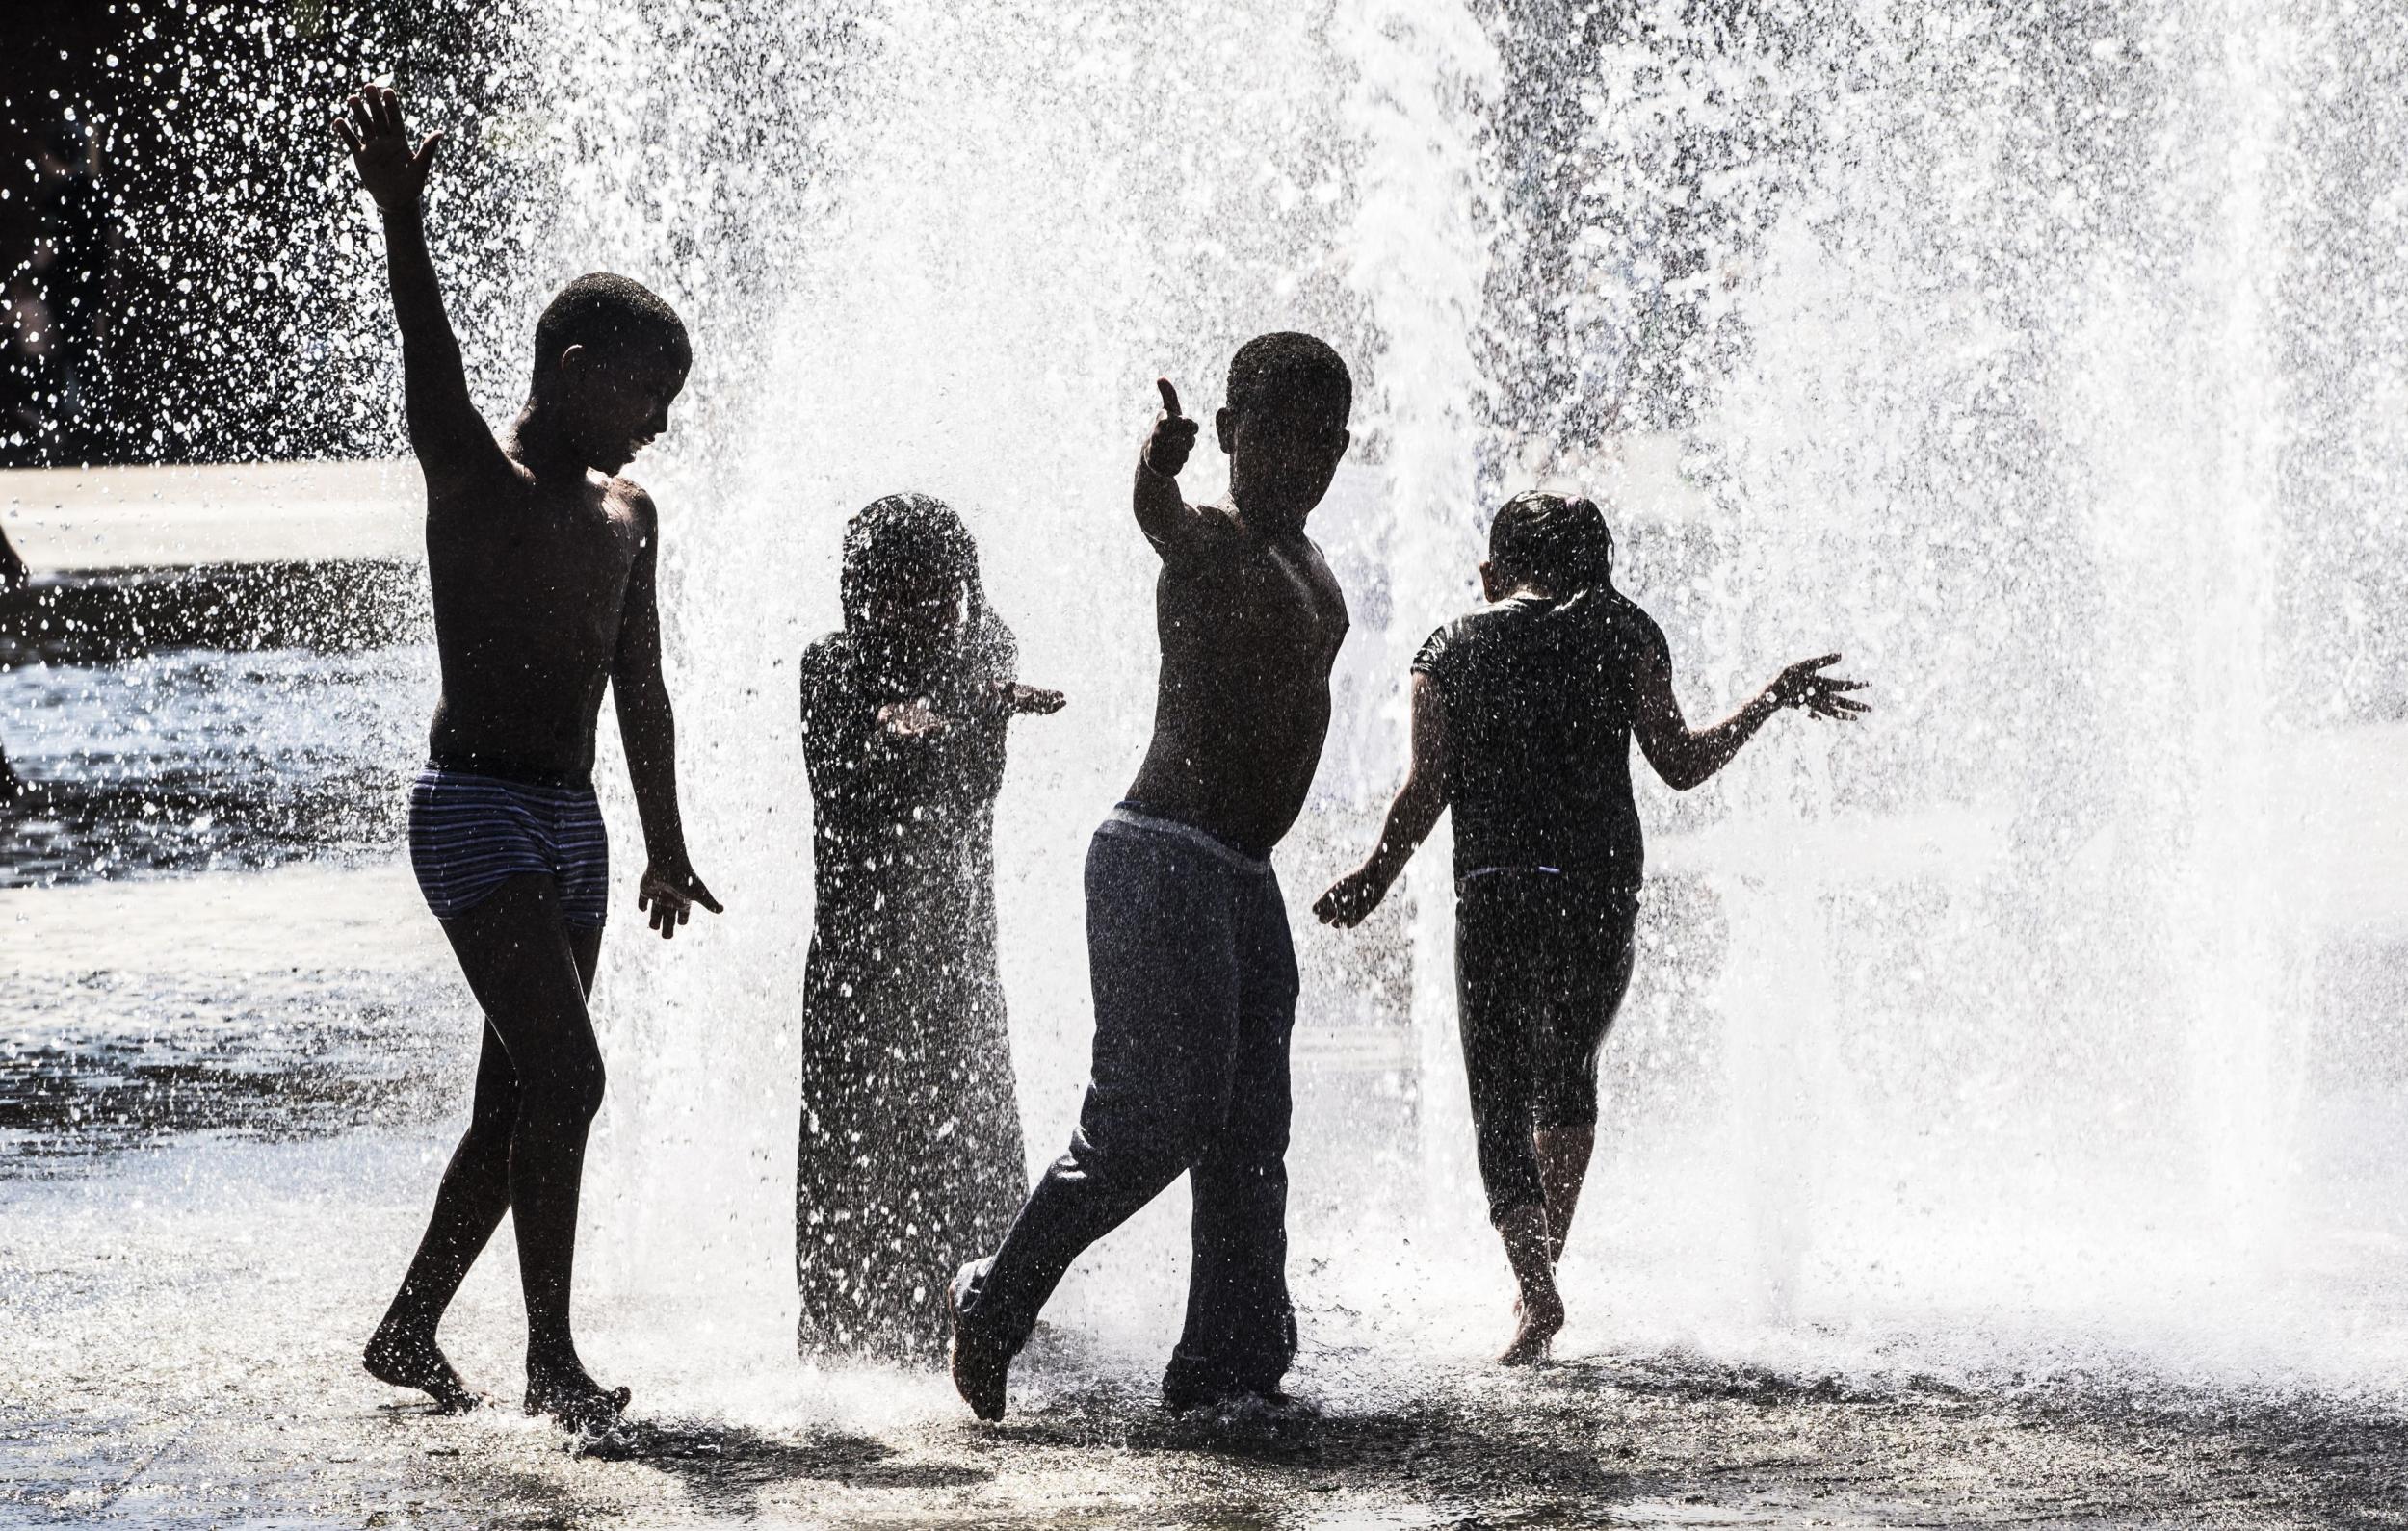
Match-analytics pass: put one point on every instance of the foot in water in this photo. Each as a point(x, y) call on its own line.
point(412, 1361)
point(1241, 1417)
point(574, 1400)
point(1536, 1323)
point(980, 1366)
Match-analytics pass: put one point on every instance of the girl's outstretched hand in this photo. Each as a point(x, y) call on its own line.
point(1350, 898)
point(1803, 684)
point(912, 719)
point(1033, 699)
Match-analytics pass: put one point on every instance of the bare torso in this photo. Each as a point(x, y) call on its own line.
point(531, 584)
point(1250, 627)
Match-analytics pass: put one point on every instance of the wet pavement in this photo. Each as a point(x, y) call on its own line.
point(224, 1096)
point(191, 1255)
point(220, 1392)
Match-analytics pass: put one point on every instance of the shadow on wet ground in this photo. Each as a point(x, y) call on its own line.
point(724, 1469)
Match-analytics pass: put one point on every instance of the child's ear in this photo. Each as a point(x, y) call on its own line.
point(1488, 581)
point(1225, 427)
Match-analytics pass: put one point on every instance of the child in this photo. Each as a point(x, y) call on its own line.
point(1523, 716)
point(542, 564)
point(1188, 948)
point(910, 1157)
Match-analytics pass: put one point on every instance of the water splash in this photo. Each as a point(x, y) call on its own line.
point(1979, 345)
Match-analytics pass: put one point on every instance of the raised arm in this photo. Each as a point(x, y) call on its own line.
point(1686, 757)
point(451, 439)
point(1164, 514)
point(648, 729)
point(1410, 817)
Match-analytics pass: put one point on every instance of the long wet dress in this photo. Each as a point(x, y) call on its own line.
point(911, 1160)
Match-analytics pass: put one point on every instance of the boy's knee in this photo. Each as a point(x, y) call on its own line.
point(1160, 1153)
point(568, 1095)
point(494, 1117)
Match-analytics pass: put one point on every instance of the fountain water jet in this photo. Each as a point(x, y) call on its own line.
point(1976, 1040)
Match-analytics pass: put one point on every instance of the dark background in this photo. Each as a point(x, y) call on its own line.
point(168, 194)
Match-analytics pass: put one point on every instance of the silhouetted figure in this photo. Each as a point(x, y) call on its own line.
point(1188, 947)
point(542, 564)
point(910, 1158)
point(13, 578)
point(51, 358)
point(1523, 716)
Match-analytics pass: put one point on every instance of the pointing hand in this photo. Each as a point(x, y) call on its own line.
point(1174, 436)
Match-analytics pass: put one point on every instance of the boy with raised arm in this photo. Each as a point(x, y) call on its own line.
point(542, 564)
point(1188, 948)
point(1523, 717)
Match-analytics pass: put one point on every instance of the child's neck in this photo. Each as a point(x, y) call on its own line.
point(543, 447)
point(1264, 525)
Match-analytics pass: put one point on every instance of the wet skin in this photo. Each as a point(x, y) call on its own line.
point(542, 562)
point(1249, 617)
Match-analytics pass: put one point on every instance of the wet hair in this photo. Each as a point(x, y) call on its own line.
point(921, 536)
point(1558, 541)
point(609, 314)
point(1287, 368)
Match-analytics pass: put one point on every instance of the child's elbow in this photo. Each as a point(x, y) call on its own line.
point(1682, 775)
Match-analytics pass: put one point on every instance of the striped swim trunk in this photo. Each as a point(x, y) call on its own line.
point(469, 834)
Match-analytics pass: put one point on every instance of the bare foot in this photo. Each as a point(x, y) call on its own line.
point(574, 1400)
point(980, 1366)
point(409, 1361)
point(1539, 1320)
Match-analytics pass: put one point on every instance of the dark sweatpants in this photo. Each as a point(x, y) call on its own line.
point(1541, 962)
point(1195, 990)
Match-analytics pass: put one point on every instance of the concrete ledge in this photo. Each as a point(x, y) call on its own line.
point(99, 520)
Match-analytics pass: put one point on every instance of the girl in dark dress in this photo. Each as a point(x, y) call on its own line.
point(1524, 714)
point(911, 1159)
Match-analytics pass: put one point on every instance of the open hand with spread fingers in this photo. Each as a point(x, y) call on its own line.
point(1804, 685)
point(371, 126)
point(1174, 434)
point(668, 893)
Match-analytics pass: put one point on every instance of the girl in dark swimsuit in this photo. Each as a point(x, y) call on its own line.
point(910, 1161)
point(1523, 717)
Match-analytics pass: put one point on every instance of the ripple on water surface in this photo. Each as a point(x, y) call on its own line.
point(201, 759)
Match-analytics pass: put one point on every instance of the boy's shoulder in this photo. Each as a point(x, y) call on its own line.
point(634, 497)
